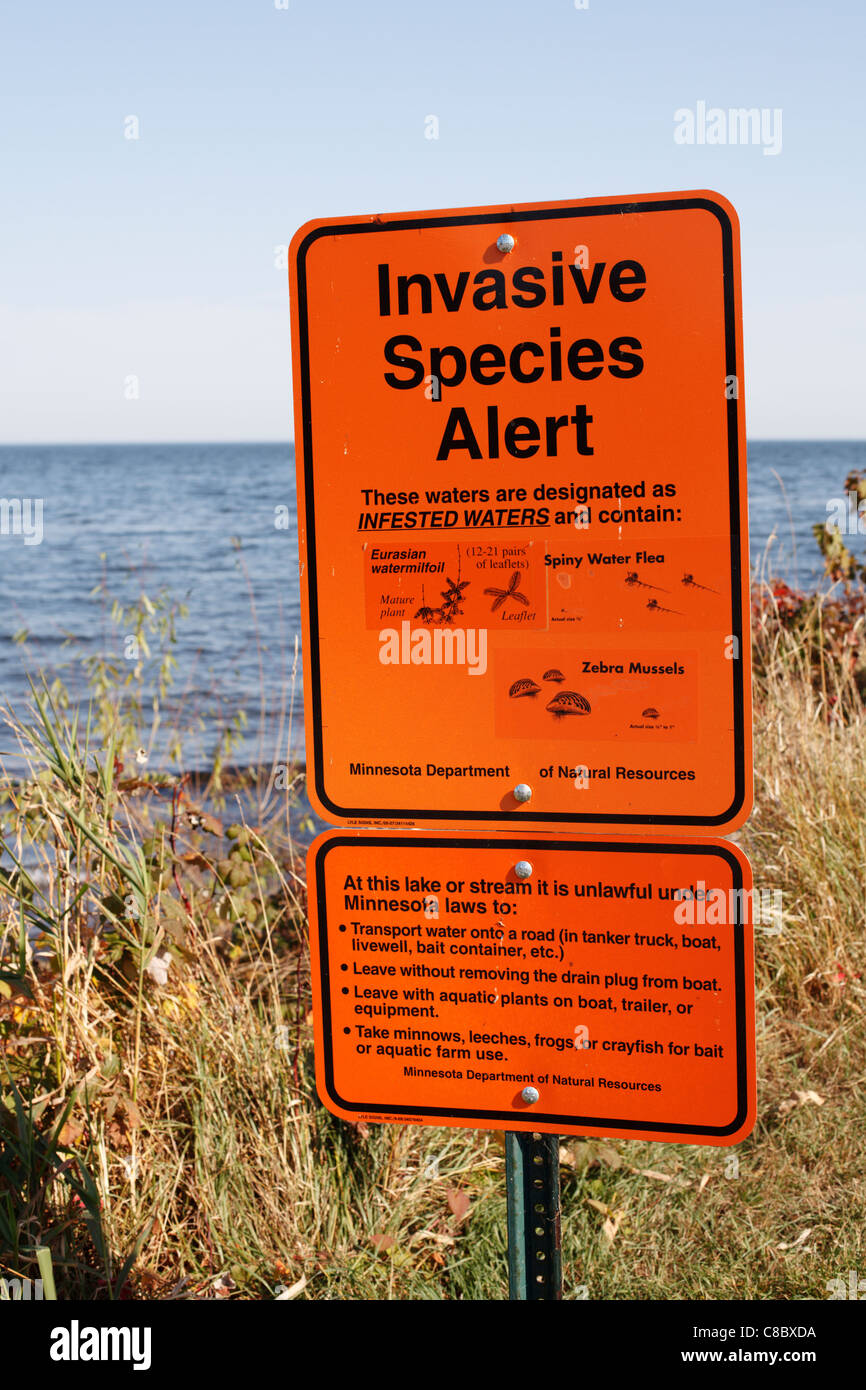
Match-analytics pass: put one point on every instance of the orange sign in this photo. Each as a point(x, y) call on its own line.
point(522, 515)
point(609, 991)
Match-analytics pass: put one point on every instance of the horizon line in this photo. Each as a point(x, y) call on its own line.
point(199, 443)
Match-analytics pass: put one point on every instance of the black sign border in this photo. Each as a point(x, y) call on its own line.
point(322, 848)
point(343, 814)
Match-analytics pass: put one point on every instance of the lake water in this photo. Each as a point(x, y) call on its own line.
point(146, 517)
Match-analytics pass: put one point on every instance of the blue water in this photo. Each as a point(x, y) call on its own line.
point(148, 516)
point(144, 517)
point(790, 486)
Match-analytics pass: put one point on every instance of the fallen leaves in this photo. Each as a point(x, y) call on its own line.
point(590, 1153)
point(158, 967)
point(282, 1294)
point(185, 1001)
point(427, 1244)
point(71, 1132)
point(798, 1244)
point(197, 860)
point(459, 1204)
point(122, 1116)
point(381, 1241)
point(415, 1249)
point(800, 1098)
point(613, 1218)
point(587, 1153)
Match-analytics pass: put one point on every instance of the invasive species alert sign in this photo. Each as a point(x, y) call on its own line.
point(522, 515)
point(608, 991)
point(522, 529)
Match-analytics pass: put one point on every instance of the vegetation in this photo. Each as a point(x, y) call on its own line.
point(159, 1132)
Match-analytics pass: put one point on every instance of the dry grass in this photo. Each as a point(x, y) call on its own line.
point(166, 1141)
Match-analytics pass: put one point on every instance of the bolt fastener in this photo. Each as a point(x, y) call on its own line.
point(505, 242)
point(529, 1095)
point(523, 868)
point(523, 792)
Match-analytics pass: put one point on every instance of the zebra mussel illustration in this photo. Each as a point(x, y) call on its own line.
point(563, 703)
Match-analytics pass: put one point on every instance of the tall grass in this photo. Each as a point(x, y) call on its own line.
point(160, 1134)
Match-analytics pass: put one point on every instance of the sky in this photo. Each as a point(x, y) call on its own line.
point(143, 289)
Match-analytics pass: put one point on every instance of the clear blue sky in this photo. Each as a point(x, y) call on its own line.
point(155, 257)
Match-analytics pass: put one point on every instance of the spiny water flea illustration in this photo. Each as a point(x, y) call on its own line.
point(691, 583)
point(634, 581)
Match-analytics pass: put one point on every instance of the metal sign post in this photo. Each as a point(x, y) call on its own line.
point(534, 1239)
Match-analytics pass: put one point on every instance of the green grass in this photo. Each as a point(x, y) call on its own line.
point(161, 1138)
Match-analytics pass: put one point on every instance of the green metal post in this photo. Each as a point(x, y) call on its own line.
point(532, 1188)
